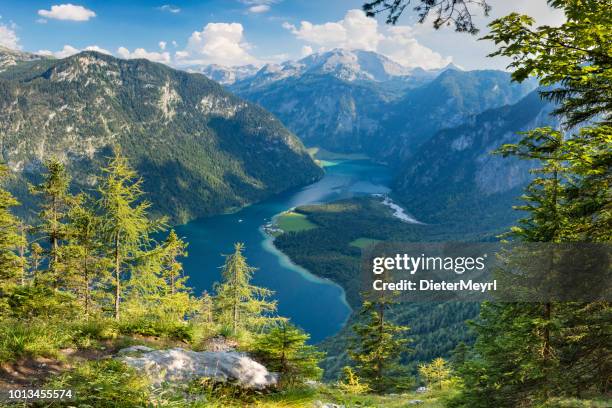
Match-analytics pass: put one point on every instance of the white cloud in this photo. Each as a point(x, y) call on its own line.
point(98, 49)
point(306, 50)
point(218, 43)
point(163, 57)
point(169, 8)
point(68, 11)
point(69, 50)
point(162, 45)
point(260, 8)
point(356, 31)
point(8, 37)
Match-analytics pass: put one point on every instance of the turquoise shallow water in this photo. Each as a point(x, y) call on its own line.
point(316, 305)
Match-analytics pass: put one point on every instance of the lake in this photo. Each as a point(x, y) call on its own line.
point(316, 305)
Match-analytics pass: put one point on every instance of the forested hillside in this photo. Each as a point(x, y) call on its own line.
point(201, 149)
point(454, 179)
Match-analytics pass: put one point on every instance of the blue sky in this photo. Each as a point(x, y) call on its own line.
point(237, 32)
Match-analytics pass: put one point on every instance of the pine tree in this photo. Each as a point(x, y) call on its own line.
point(11, 239)
point(283, 349)
point(379, 346)
point(126, 227)
point(55, 204)
point(241, 305)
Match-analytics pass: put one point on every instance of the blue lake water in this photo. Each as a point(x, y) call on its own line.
point(315, 305)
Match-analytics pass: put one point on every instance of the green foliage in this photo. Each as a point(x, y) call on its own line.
point(125, 222)
point(39, 337)
point(283, 349)
point(239, 304)
point(11, 266)
point(152, 325)
point(351, 383)
point(437, 373)
point(104, 383)
point(196, 159)
point(573, 59)
point(327, 251)
point(56, 201)
point(39, 301)
point(537, 354)
point(379, 346)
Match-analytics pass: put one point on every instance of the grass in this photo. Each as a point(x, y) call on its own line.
point(294, 222)
point(327, 156)
point(364, 242)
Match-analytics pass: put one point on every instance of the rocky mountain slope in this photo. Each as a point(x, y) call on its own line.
point(454, 177)
point(10, 58)
point(360, 101)
point(200, 149)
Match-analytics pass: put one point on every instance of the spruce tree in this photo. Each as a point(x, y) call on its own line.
point(240, 304)
point(11, 265)
point(56, 200)
point(126, 227)
point(283, 349)
point(527, 353)
point(379, 345)
point(173, 248)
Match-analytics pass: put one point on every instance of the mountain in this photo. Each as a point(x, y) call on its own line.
point(225, 75)
point(358, 101)
point(200, 149)
point(10, 58)
point(448, 101)
point(454, 179)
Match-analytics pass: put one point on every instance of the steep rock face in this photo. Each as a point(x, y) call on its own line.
point(454, 177)
point(200, 149)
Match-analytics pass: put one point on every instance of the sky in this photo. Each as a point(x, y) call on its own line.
point(185, 33)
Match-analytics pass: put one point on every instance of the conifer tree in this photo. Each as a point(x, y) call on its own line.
point(527, 353)
point(379, 346)
point(85, 252)
point(37, 255)
point(172, 249)
point(56, 200)
point(436, 372)
point(240, 304)
point(284, 350)
point(11, 265)
point(126, 227)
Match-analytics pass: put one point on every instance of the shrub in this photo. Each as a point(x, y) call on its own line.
point(36, 301)
point(157, 326)
point(103, 383)
point(30, 339)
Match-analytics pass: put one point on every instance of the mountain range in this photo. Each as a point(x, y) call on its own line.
point(361, 101)
point(436, 128)
point(200, 149)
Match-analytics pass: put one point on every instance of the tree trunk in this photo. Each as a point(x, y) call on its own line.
point(117, 276)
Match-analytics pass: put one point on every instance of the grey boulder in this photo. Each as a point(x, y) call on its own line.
point(178, 365)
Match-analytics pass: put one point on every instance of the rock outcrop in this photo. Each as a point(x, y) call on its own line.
point(178, 365)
